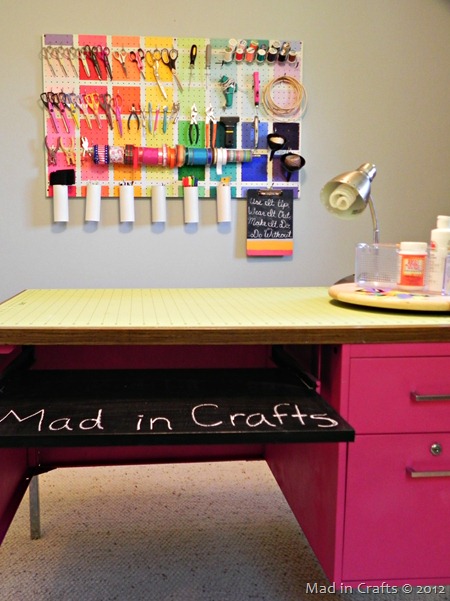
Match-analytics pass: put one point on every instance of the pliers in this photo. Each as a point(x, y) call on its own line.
point(133, 113)
point(51, 151)
point(68, 150)
point(194, 131)
point(210, 142)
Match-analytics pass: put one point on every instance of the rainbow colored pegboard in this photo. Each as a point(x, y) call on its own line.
point(201, 86)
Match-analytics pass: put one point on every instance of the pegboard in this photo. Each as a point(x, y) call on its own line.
point(63, 72)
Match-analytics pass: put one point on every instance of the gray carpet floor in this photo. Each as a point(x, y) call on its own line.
point(195, 532)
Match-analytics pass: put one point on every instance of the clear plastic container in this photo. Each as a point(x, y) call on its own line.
point(376, 265)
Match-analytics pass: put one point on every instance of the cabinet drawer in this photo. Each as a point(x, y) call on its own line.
point(396, 525)
point(399, 394)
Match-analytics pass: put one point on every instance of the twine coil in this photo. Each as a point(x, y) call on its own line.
point(295, 109)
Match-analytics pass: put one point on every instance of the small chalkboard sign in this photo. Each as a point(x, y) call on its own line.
point(270, 222)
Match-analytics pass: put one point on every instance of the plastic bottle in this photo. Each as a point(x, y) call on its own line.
point(412, 265)
point(439, 249)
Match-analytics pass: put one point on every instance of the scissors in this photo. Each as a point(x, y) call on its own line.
point(84, 52)
point(93, 103)
point(103, 53)
point(47, 53)
point(94, 52)
point(105, 103)
point(169, 58)
point(47, 101)
point(138, 58)
point(153, 59)
point(71, 105)
point(59, 102)
point(117, 105)
point(71, 54)
point(81, 104)
point(120, 57)
point(59, 54)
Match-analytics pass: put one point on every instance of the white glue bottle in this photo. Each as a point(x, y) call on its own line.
point(439, 249)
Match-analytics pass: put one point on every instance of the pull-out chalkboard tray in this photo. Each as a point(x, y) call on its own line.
point(141, 407)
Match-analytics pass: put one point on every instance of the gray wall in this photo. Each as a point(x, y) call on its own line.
point(378, 80)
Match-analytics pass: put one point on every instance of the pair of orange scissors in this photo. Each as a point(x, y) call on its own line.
point(120, 57)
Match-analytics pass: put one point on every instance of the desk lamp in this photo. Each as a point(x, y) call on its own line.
point(348, 194)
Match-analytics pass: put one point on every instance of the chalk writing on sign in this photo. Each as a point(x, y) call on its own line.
point(270, 222)
point(198, 417)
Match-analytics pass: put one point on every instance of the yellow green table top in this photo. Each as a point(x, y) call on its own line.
point(268, 315)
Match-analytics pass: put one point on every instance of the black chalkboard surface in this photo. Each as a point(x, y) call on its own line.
point(270, 222)
point(172, 406)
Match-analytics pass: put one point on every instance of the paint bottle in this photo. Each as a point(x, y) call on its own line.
point(412, 265)
point(439, 250)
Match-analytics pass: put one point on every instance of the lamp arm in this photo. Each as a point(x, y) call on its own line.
point(376, 228)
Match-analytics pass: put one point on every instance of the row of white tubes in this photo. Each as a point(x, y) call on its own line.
point(127, 203)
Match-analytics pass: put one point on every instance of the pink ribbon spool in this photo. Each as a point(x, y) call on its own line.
point(150, 156)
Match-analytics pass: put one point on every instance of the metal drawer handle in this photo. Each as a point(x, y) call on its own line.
point(429, 474)
point(429, 397)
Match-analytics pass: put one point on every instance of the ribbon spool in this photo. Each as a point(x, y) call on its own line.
point(292, 162)
point(275, 142)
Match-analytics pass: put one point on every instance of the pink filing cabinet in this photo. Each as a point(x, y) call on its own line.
point(376, 510)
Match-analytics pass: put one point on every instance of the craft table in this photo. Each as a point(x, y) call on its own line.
point(349, 354)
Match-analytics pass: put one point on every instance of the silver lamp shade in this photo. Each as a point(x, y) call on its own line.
point(348, 194)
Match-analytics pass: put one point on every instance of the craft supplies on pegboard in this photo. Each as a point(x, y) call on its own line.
point(155, 110)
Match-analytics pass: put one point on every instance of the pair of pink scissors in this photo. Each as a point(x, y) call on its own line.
point(138, 58)
point(104, 54)
point(117, 105)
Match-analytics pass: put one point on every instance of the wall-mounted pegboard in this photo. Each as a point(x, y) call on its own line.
point(163, 113)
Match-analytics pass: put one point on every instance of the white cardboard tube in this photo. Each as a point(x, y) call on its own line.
point(126, 203)
point(191, 214)
point(223, 203)
point(60, 203)
point(159, 209)
point(93, 202)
